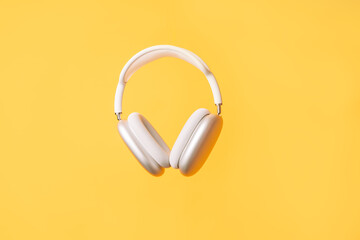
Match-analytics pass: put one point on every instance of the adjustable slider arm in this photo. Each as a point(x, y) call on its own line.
point(218, 106)
point(118, 115)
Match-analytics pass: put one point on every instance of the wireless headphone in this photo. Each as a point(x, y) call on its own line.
point(196, 139)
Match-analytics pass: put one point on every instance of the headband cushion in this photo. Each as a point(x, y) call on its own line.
point(155, 52)
point(185, 136)
point(137, 150)
point(149, 139)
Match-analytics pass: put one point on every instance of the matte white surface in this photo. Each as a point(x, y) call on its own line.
point(185, 135)
point(151, 54)
point(149, 139)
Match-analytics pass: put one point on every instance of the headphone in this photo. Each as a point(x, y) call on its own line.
point(196, 139)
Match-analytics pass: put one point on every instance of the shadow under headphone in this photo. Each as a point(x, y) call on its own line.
point(196, 139)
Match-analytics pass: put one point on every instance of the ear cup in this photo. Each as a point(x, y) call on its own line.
point(200, 144)
point(149, 139)
point(185, 135)
point(138, 151)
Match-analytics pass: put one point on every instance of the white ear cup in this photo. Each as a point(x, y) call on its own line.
point(185, 135)
point(149, 139)
point(195, 141)
point(200, 144)
point(136, 148)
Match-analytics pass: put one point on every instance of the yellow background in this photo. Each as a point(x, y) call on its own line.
point(287, 163)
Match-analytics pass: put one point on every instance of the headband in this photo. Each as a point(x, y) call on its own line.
point(153, 53)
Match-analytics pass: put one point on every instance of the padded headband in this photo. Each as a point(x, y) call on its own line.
point(153, 53)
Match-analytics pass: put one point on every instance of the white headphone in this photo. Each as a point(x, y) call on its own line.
point(196, 139)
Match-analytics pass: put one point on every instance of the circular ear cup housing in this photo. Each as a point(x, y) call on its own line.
point(135, 147)
point(185, 135)
point(195, 142)
point(200, 144)
point(140, 136)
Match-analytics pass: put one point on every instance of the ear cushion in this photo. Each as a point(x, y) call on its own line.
point(135, 147)
point(185, 135)
point(149, 139)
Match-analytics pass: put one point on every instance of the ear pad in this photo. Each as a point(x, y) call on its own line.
point(149, 139)
point(138, 151)
point(195, 142)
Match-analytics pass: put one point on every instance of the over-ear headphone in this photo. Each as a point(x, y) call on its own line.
point(196, 139)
